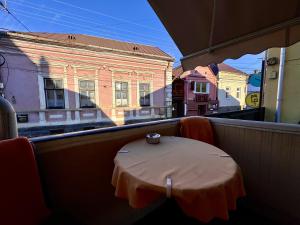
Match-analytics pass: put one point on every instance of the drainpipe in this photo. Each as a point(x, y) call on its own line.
point(280, 85)
point(186, 89)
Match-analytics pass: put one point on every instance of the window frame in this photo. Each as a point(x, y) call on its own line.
point(54, 89)
point(238, 92)
point(80, 95)
point(227, 93)
point(139, 94)
point(201, 84)
point(121, 91)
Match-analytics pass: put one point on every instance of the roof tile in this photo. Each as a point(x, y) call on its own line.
point(101, 42)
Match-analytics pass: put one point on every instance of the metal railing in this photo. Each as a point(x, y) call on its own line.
point(248, 114)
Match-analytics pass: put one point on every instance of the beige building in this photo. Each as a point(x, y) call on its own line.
point(290, 107)
point(232, 88)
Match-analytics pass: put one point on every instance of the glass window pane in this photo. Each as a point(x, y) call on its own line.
point(82, 84)
point(198, 87)
point(92, 94)
point(118, 95)
point(121, 94)
point(59, 98)
point(147, 102)
point(147, 87)
point(49, 84)
point(84, 93)
point(58, 84)
point(124, 102)
point(118, 102)
point(60, 103)
point(91, 85)
point(118, 86)
point(124, 95)
point(204, 89)
point(142, 87)
point(50, 98)
point(55, 98)
point(124, 86)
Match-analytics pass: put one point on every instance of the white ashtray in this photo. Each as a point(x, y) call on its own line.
point(153, 138)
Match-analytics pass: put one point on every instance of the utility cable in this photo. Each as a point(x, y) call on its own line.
point(10, 13)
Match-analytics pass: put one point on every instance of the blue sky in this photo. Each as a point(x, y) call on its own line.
point(126, 20)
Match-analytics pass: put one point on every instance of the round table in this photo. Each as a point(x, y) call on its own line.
point(204, 180)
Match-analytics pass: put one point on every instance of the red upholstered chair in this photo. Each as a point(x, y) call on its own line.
point(21, 197)
point(197, 128)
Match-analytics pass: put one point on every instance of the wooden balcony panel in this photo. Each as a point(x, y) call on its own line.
point(76, 168)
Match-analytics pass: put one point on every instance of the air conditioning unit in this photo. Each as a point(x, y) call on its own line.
point(1, 85)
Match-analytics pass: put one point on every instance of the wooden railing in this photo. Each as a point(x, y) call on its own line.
point(201, 97)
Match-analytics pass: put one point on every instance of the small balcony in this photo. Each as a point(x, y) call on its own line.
point(201, 97)
point(76, 170)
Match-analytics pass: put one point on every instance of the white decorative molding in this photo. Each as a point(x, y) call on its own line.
point(99, 116)
point(66, 93)
point(41, 92)
point(120, 70)
point(42, 118)
point(56, 116)
point(49, 63)
point(120, 113)
point(85, 67)
point(88, 114)
point(77, 103)
point(168, 91)
point(145, 112)
point(97, 99)
point(76, 90)
point(69, 117)
point(144, 72)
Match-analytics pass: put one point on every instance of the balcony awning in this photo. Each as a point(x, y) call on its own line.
point(209, 31)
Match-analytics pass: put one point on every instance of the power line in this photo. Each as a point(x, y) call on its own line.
point(105, 15)
point(89, 27)
point(110, 34)
point(83, 19)
point(170, 48)
point(10, 13)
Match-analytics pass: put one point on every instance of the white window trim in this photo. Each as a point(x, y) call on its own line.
point(65, 88)
point(238, 90)
point(114, 93)
point(229, 92)
point(200, 92)
point(96, 100)
point(138, 92)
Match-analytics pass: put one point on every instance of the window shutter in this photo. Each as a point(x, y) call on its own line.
point(192, 85)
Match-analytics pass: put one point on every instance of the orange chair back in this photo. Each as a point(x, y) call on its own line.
point(21, 197)
point(197, 128)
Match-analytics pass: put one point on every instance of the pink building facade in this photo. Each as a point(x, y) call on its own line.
point(63, 80)
point(194, 92)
